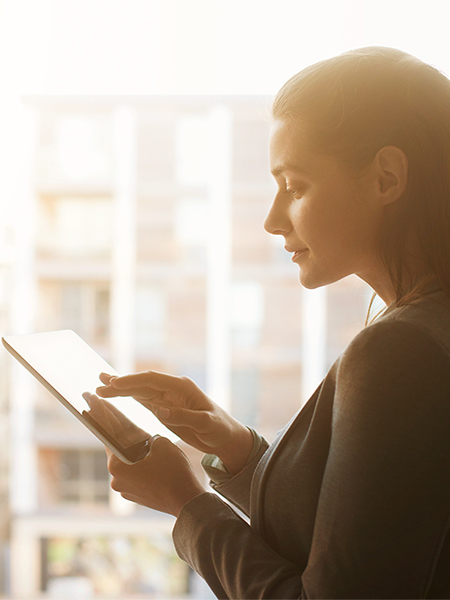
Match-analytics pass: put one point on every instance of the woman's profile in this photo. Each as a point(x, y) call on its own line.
point(352, 499)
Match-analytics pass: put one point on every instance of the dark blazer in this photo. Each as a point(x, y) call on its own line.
point(352, 500)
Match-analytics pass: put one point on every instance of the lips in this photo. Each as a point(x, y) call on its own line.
point(295, 251)
point(292, 249)
point(298, 253)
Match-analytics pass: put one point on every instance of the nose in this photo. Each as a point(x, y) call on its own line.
point(277, 221)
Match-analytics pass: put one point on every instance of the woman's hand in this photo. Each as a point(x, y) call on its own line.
point(164, 480)
point(188, 412)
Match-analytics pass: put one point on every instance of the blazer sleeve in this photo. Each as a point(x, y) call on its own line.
point(384, 504)
point(229, 554)
point(235, 488)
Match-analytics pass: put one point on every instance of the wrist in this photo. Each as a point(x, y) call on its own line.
point(235, 454)
point(187, 497)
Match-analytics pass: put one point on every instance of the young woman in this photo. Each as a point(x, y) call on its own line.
point(352, 500)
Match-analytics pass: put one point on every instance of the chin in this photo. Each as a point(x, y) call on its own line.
point(312, 281)
point(310, 284)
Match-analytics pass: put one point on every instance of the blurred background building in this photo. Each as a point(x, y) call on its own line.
point(6, 256)
point(141, 229)
point(137, 221)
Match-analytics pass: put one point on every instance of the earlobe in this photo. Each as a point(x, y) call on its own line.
point(392, 173)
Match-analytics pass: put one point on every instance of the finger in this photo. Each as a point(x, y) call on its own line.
point(105, 413)
point(108, 391)
point(105, 377)
point(112, 461)
point(117, 467)
point(96, 405)
point(126, 426)
point(115, 485)
point(197, 420)
point(153, 439)
point(108, 408)
point(131, 498)
point(161, 382)
point(90, 398)
point(114, 421)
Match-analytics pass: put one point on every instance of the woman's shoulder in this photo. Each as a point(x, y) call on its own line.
point(400, 362)
point(429, 314)
point(427, 318)
point(407, 339)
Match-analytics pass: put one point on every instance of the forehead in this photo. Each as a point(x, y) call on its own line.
point(289, 150)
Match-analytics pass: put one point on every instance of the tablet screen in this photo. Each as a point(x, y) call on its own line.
point(67, 366)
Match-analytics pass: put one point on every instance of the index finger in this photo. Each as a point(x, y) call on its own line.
point(160, 382)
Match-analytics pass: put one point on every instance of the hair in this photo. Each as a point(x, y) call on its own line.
point(354, 104)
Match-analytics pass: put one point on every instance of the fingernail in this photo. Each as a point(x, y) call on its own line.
point(87, 397)
point(163, 413)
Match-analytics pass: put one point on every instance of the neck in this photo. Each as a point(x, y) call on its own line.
point(415, 276)
point(385, 289)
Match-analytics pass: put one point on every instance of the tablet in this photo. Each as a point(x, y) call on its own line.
point(69, 368)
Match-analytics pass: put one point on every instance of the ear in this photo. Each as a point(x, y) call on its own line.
point(391, 170)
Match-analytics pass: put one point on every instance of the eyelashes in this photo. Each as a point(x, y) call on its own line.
point(294, 190)
point(296, 193)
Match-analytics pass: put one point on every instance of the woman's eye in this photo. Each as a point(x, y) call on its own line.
point(295, 193)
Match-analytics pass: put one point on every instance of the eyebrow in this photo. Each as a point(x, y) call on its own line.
point(281, 168)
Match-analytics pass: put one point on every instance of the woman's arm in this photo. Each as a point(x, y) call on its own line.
point(385, 498)
point(230, 555)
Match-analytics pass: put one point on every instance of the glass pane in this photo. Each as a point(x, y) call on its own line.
point(100, 469)
point(70, 465)
point(82, 147)
point(74, 226)
point(192, 150)
point(126, 566)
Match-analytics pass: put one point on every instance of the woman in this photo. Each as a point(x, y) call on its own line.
point(352, 500)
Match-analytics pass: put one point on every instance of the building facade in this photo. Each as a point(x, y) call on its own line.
point(142, 231)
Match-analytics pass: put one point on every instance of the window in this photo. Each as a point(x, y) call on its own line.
point(81, 306)
point(245, 391)
point(118, 566)
point(191, 221)
point(192, 151)
point(82, 147)
point(150, 319)
point(191, 228)
point(156, 149)
point(74, 226)
point(83, 477)
point(73, 476)
point(250, 156)
point(247, 312)
point(85, 308)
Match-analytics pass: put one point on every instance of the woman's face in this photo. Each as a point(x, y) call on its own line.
point(330, 220)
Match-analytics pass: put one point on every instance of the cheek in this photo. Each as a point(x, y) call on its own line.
point(316, 219)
